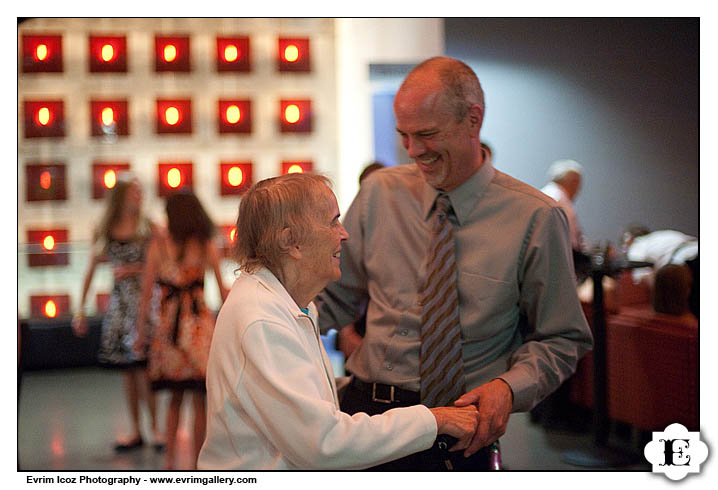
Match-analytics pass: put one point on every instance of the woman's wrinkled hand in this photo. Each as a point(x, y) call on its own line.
point(458, 422)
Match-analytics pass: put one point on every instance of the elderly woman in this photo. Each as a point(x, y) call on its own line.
point(272, 399)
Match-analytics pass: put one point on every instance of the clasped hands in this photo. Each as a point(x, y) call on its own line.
point(478, 417)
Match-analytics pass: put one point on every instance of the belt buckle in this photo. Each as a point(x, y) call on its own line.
point(382, 400)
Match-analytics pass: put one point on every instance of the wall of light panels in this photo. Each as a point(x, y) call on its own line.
point(202, 97)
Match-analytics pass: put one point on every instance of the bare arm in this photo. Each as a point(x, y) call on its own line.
point(79, 323)
point(213, 255)
point(149, 276)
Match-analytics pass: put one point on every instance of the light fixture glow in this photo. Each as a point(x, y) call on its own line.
point(48, 243)
point(41, 52)
point(233, 234)
point(107, 53)
point(110, 179)
point(172, 115)
point(291, 113)
point(295, 169)
point(50, 309)
point(231, 53)
point(233, 114)
point(235, 176)
point(108, 116)
point(170, 53)
point(43, 116)
point(45, 180)
point(174, 178)
point(291, 53)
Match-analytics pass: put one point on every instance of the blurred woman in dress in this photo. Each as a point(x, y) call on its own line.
point(177, 260)
point(122, 239)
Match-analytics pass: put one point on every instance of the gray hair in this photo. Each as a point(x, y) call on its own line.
point(289, 201)
point(558, 169)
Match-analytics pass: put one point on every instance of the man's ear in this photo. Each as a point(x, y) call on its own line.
point(476, 116)
point(290, 244)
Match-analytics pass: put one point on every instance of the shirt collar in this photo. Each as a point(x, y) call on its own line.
point(465, 197)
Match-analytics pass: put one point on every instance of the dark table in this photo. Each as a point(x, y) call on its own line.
point(601, 455)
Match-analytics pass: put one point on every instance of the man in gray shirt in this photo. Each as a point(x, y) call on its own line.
point(522, 327)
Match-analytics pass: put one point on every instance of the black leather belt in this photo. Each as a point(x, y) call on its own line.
point(379, 392)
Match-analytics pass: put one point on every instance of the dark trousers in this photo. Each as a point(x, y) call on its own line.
point(356, 400)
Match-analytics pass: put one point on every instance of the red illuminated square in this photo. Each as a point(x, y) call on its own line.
point(44, 118)
point(233, 54)
point(235, 178)
point(172, 177)
point(47, 247)
point(50, 306)
point(104, 177)
point(45, 182)
point(102, 302)
point(235, 116)
point(172, 54)
point(294, 55)
point(296, 167)
point(41, 53)
point(295, 116)
point(109, 117)
point(108, 54)
point(174, 116)
point(228, 234)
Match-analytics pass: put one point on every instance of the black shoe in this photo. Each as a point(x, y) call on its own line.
point(137, 443)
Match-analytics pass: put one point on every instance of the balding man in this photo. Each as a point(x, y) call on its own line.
point(566, 177)
point(450, 244)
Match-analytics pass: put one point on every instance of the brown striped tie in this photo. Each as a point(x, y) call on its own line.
point(442, 367)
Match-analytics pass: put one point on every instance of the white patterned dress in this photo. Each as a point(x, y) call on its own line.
point(119, 326)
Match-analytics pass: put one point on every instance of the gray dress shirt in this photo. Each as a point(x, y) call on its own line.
point(520, 316)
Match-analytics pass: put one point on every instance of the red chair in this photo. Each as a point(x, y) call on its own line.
point(652, 369)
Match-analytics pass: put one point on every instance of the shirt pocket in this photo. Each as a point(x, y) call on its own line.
point(487, 306)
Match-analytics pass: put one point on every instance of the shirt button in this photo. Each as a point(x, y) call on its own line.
point(389, 367)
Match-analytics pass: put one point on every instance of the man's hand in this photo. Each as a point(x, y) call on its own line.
point(494, 401)
point(348, 340)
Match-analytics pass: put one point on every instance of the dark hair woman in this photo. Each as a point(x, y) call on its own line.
point(177, 260)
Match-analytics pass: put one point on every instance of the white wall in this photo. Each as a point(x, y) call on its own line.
point(361, 42)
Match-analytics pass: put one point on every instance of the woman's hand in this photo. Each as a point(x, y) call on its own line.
point(127, 270)
point(458, 422)
point(140, 344)
point(79, 325)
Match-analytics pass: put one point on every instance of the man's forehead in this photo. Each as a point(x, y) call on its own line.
point(421, 111)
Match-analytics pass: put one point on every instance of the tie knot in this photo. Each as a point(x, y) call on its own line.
point(443, 205)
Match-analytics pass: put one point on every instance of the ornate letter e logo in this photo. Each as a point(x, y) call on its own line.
point(676, 452)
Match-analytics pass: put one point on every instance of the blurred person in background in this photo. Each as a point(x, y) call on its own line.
point(661, 248)
point(177, 259)
point(566, 179)
point(122, 239)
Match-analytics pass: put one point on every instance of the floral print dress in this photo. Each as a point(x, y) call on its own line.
point(181, 339)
